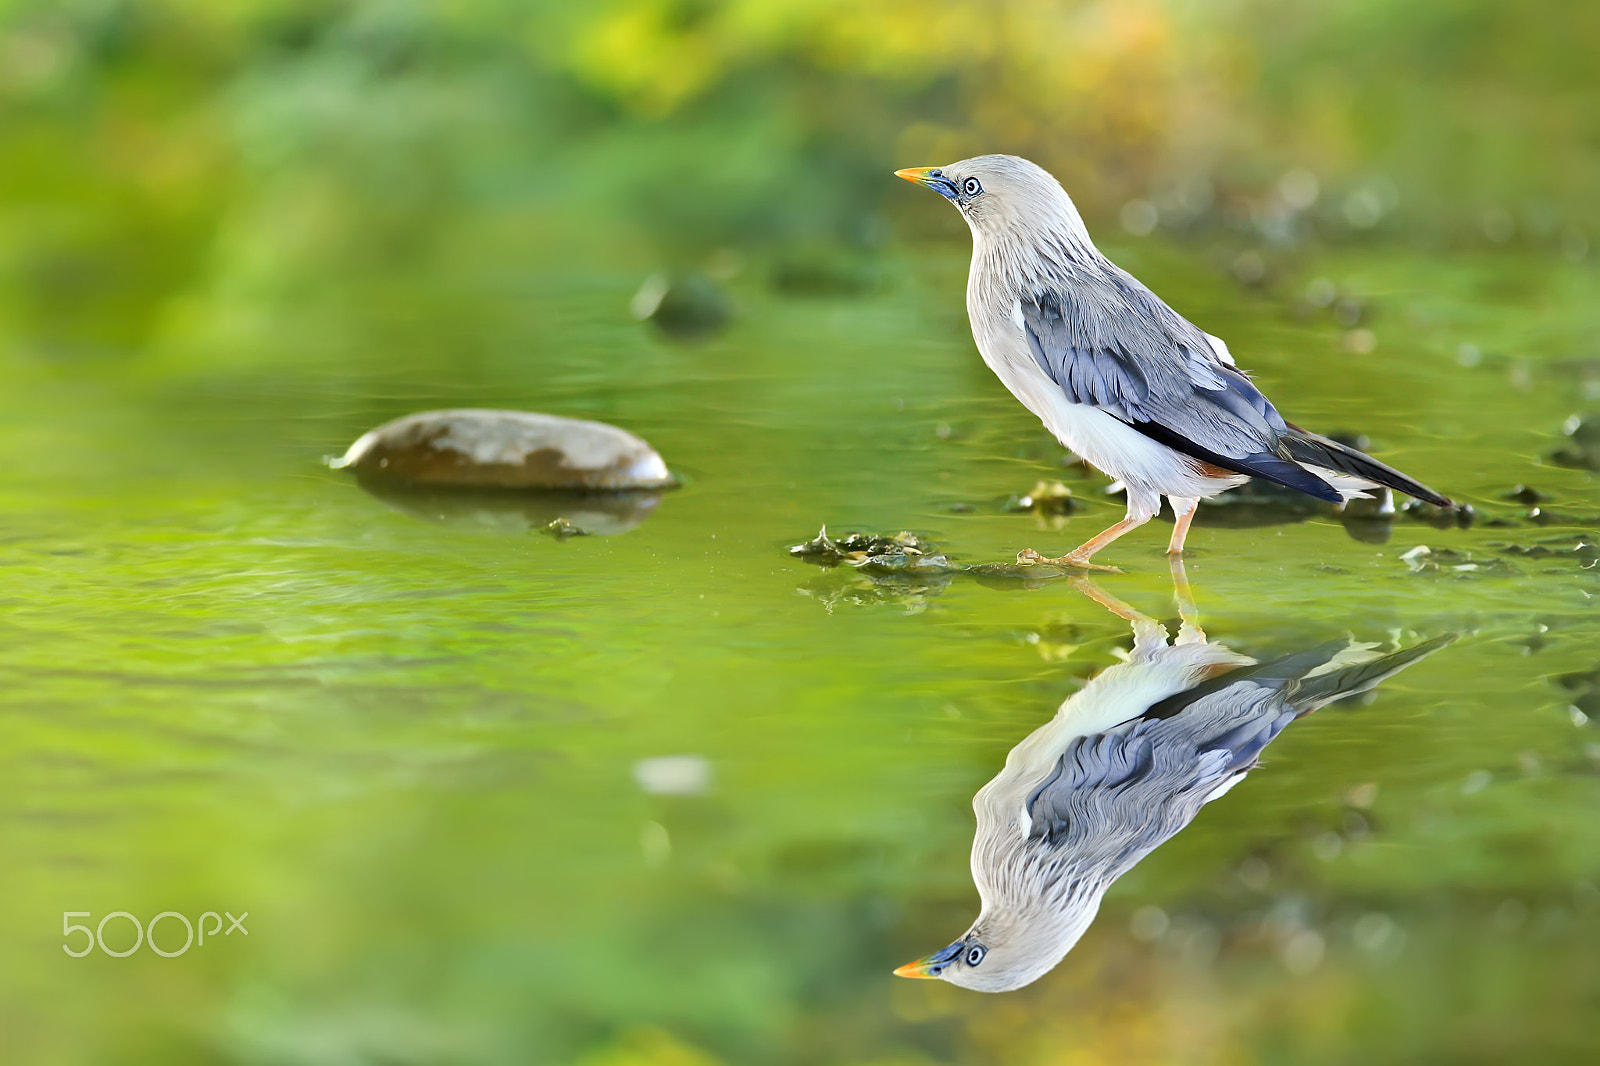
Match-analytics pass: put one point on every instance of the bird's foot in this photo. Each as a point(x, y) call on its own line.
point(1029, 557)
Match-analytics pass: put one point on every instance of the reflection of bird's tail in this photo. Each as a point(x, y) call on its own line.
point(1305, 677)
point(1323, 689)
point(1273, 675)
point(1316, 450)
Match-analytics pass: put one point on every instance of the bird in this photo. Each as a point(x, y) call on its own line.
point(1119, 377)
point(1126, 763)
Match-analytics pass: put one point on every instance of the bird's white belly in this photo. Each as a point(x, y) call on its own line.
point(1109, 444)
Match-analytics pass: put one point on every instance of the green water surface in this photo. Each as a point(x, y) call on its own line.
point(235, 681)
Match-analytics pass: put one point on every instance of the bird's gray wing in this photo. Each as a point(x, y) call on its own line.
point(1111, 343)
point(1112, 797)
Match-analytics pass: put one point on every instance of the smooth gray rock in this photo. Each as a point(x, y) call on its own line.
point(687, 306)
point(481, 448)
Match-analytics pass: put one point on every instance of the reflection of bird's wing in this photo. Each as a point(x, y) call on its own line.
point(1112, 797)
point(1109, 342)
point(1125, 690)
point(1114, 696)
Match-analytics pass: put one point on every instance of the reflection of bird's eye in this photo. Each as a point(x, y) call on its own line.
point(971, 187)
point(976, 953)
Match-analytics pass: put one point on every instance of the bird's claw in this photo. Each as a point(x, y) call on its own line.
point(1029, 557)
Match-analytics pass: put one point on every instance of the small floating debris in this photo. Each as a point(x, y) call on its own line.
point(1525, 494)
point(561, 529)
point(1582, 447)
point(1462, 515)
point(1583, 693)
point(902, 570)
point(1423, 558)
point(1584, 549)
point(481, 448)
point(673, 775)
point(1541, 516)
point(686, 306)
point(1046, 498)
point(1417, 558)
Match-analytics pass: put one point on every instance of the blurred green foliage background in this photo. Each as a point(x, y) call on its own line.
point(233, 235)
point(271, 148)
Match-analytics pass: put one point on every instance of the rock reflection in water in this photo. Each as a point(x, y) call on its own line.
point(1125, 763)
point(518, 512)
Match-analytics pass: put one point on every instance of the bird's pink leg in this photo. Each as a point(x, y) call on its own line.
point(1189, 631)
point(1180, 531)
point(1079, 556)
point(1108, 601)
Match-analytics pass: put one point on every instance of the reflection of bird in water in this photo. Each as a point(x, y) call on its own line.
point(1125, 763)
point(1121, 378)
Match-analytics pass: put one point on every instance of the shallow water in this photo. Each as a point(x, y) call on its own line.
point(411, 749)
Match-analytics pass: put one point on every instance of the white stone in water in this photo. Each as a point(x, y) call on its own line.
point(673, 775)
point(506, 449)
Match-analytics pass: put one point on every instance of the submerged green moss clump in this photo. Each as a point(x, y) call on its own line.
point(902, 553)
point(561, 529)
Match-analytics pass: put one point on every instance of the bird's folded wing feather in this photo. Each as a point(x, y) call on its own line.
point(1113, 797)
point(1110, 343)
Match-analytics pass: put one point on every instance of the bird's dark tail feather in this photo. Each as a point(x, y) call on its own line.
point(1360, 677)
point(1288, 674)
point(1304, 447)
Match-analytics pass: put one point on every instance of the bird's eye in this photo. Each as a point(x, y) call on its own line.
point(976, 953)
point(971, 187)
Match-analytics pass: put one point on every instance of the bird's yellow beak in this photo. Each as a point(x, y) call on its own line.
point(934, 965)
point(931, 178)
point(922, 968)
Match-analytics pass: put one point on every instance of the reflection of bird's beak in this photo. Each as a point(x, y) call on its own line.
point(931, 966)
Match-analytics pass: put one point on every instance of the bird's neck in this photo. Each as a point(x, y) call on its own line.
point(1043, 926)
point(1027, 250)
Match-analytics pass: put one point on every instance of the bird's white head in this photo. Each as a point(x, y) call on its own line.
point(1011, 946)
point(1007, 199)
